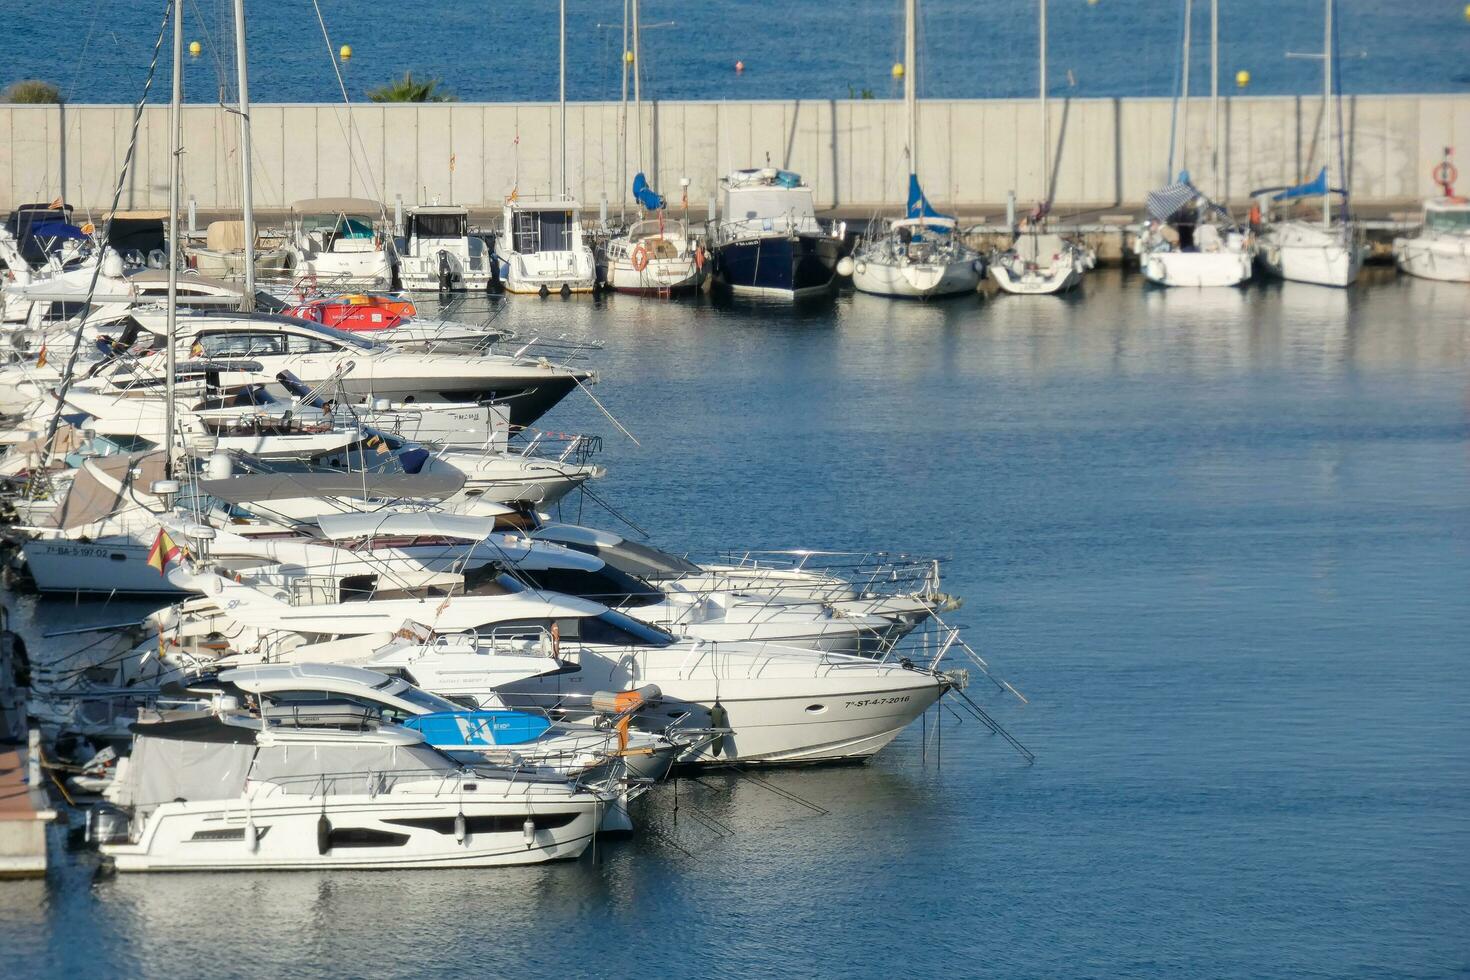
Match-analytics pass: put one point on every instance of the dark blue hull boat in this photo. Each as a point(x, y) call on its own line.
point(782, 267)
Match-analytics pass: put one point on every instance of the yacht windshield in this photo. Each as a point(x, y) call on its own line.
point(420, 698)
point(616, 629)
point(638, 560)
point(1453, 222)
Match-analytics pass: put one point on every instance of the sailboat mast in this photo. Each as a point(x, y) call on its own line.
point(1184, 91)
point(1045, 121)
point(1327, 114)
point(562, 97)
point(247, 205)
point(1215, 99)
point(911, 80)
point(623, 121)
point(637, 87)
point(175, 252)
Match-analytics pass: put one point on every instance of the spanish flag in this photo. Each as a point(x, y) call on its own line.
point(41, 358)
point(378, 444)
point(163, 551)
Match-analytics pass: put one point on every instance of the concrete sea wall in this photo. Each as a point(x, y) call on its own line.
point(1105, 152)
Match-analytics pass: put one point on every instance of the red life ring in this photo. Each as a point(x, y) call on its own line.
point(1444, 174)
point(640, 258)
point(699, 256)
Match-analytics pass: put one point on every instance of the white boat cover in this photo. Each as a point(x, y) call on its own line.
point(471, 528)
point(250, 487)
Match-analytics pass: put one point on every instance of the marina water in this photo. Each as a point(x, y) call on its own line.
point(1219, 538)
point(973, 49)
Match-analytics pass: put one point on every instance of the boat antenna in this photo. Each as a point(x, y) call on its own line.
point(171, 332)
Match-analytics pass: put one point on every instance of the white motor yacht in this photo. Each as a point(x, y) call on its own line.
point(541, 248)
point(781, 704)
point(218, 793)
point(438, 253)
point(1441, 250)
point(341, 242)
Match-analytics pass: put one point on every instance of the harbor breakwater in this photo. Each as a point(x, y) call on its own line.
point(1104, 153)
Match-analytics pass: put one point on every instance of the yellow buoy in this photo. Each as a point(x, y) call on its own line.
point(898, 69)
point(345, 52)
point(628, 57)
point(1242, 78)
point(1467, 11)
point(194, 48)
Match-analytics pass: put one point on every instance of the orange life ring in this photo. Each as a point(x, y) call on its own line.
point(1444, 173)
point(640, 258)
point(699, 256)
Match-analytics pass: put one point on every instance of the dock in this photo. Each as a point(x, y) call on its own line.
point(25, 811)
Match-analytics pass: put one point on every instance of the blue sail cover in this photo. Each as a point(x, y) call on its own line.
point(919, 204)
point(645, 194)
point(1312, 188)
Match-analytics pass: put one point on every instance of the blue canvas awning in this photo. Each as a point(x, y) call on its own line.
point(919, 207)
point(646, 195)
point(1312, 188)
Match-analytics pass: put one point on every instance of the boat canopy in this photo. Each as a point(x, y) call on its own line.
point(250, 487)
point(646, 195)
point(1163, 202)
point(471, 528)
point(338, 205)
point(922, 213)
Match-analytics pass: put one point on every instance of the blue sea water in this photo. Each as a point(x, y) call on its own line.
point(98, 50)
point(1220, 539)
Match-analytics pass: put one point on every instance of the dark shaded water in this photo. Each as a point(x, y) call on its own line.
point(98, 51)
point(1220, 538)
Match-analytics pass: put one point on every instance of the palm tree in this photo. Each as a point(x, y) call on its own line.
point(31, 91)
point(409, 89)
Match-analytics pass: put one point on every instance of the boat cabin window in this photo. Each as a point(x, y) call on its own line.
point(238, 344)
point(542, 231)
point(438, 225)
point(639, 560)
point(1453, 222)
point(607, 585)
point(612, 628)
point(309, 345)
point(420, 698)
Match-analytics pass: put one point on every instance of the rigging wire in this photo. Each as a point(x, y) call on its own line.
point(71, 360)
point(349, 133)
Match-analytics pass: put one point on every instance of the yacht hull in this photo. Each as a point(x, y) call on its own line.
point(1200, 269)
point(213, 835)
point(1039, 283)
point(782, 267)
point(918, 280)
point(658, 278)
point(1443, 258)
point(58, 565)
point(1310, 255)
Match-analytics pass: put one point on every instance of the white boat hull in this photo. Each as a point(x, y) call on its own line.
point(1310, 254)
point(120, 566)
point(1201, 269)
point(660, 277)
point(917, 280)
point(1036, 282)
point(217, 835)
point(577, 271)
point(1442, 257)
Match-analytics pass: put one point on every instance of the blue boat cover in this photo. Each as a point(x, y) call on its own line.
point(646, 196)
point(919, 204)
point(454, 729)
point(1312, 188)
point(56, 230)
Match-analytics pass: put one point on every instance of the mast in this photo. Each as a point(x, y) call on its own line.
point(910, 80)
point(1215, 98)
point(1327, 115)
point(247, 205)
point(175, 252)
point(623, 122)
point(562, 99)
point(1045, 121)
point(637, 87)
point(1184, 94)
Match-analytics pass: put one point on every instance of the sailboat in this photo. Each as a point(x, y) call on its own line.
point(918, 255)
point(545, 248)
point(1040, 262)
point(655, 256)
point(1191, 240)
point(1327, 253)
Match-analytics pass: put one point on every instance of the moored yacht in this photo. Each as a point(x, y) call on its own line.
point(1441, 250)
point(437, 251)
point(541, 248)
point(768, 241)
point(341, 241)
point(218, 793)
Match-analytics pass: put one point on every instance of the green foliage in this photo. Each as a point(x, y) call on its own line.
point(410, 89)
point(31, 91)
